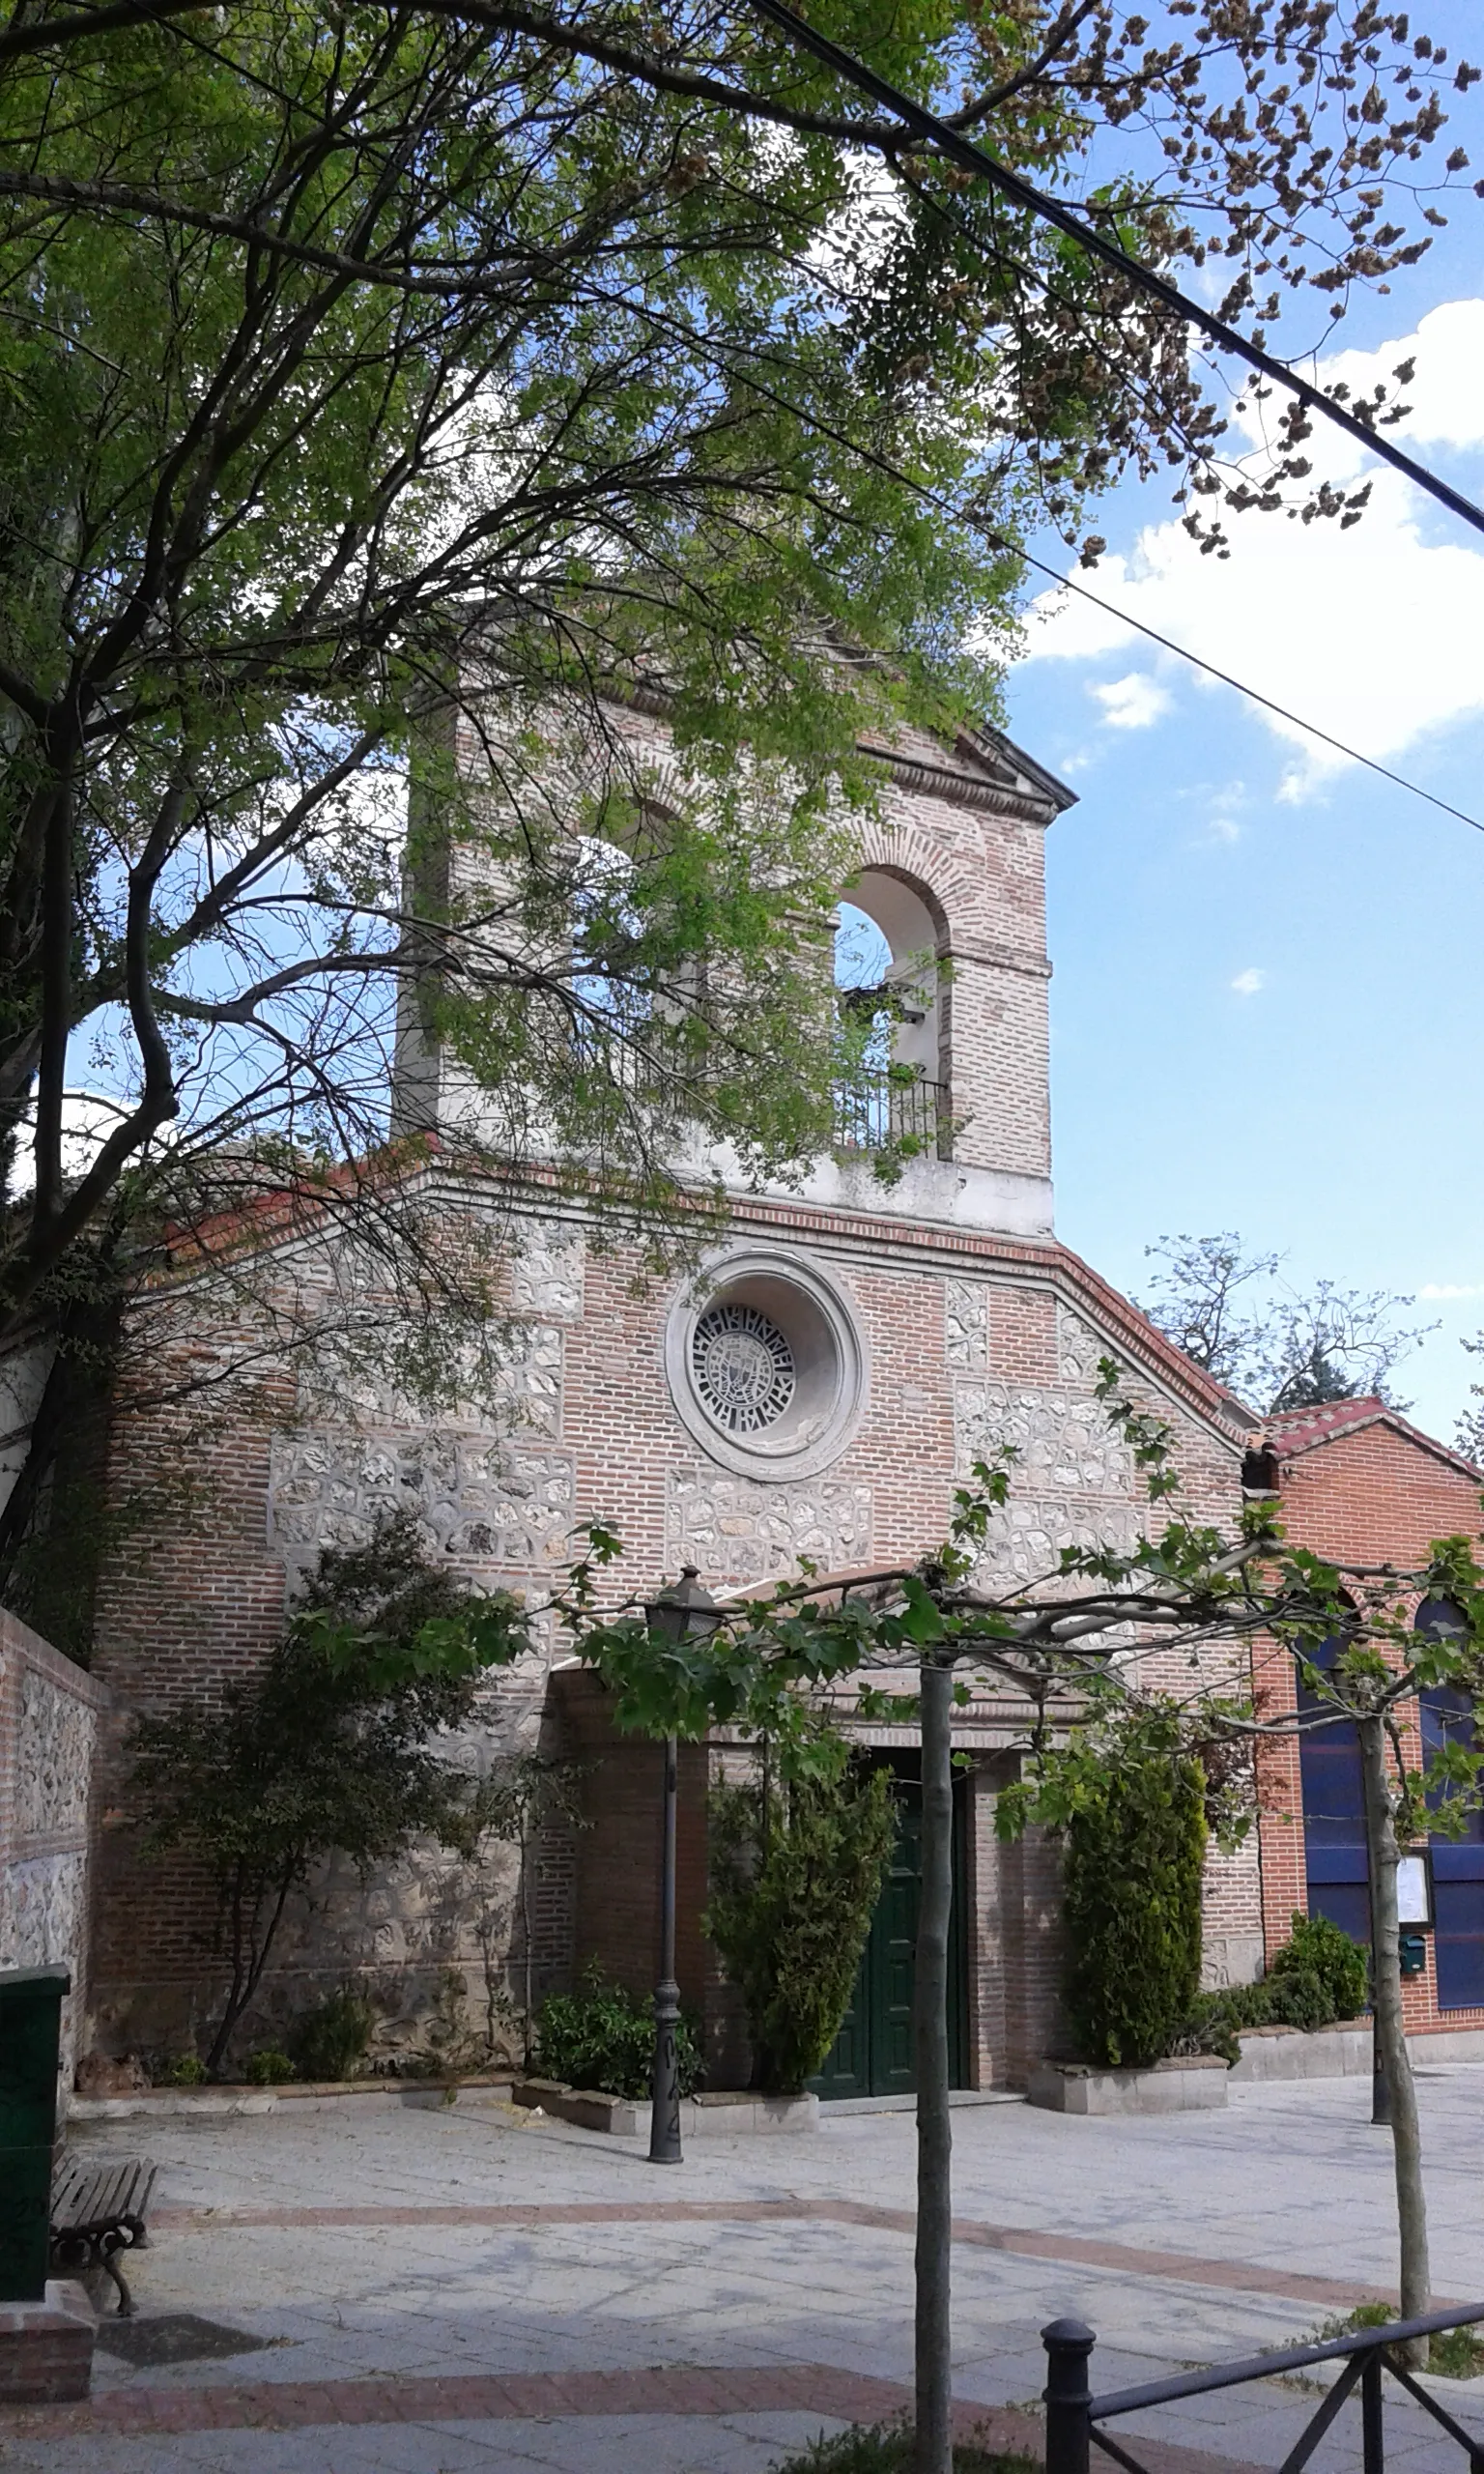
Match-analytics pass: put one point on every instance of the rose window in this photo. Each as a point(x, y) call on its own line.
point(743, 1368)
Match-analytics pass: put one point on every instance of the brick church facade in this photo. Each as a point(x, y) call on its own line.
point(817, 1390)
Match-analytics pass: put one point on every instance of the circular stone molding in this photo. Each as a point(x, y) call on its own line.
point(766, 1365)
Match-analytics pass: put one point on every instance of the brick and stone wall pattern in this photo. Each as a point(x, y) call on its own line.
point(969, 1338)
point(51, 1713)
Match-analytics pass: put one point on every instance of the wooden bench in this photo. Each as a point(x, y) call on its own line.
point(97, 2211)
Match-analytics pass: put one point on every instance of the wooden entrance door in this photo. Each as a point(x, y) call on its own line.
point(873, 2055)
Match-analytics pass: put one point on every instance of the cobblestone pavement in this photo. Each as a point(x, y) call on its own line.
point(429, 2290)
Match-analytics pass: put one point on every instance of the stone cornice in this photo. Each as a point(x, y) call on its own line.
point(950, 782)
point(961, 789)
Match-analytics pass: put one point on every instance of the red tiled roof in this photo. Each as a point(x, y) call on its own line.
point(1302, 1429)
point(1297, 1430)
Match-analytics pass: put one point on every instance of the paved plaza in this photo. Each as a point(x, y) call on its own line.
point(436, 2291)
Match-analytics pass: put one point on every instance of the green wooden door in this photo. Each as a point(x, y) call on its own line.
point(873, 2055)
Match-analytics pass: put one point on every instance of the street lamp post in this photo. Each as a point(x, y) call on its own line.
point(683, 1612)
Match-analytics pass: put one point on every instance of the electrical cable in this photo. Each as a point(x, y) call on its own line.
point(1015, 549)
point(974, 159)
point(1255, 694)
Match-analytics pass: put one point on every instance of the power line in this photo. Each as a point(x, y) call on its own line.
point(1196, 662)
point(936, 499)
point(974, 159)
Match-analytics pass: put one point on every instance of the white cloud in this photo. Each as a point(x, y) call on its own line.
point(1435, 1291)
point(1224, 823)
point(1247, 982)
point(1372, 633)
point(1132, 704)
point(1446, 395)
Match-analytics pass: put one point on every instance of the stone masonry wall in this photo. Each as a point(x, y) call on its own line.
point(50, 1715)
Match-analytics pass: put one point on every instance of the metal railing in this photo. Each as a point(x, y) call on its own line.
point(883, 1112)
point(1073, 2413)
point(871, 1112)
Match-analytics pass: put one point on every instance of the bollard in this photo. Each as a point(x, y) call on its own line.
point(1069, 2345)
point(30, 2038)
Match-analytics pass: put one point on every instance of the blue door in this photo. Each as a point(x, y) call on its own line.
point(1338, 1874)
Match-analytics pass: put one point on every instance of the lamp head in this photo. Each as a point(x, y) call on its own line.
point(683, 1610)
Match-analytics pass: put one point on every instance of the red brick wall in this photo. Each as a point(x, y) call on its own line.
point(1375, 1496)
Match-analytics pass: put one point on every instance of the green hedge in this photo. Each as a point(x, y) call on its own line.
point(1317, 1977)
point(794, 1882)
point(1135, 1848)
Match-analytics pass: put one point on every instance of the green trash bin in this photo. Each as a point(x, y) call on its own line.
point(30, 2041)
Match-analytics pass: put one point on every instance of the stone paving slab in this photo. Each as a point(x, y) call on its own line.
point(413, 2272)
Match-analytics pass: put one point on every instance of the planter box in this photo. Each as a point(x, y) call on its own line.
point(1169, 2087)
point(1344, 2051)
point(46, 2347)
point(728, 2114)
point(588, 2108)
point(1340, 2052)
point(736, 2115)
point(153, 2102)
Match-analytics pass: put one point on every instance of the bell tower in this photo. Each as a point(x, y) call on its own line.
point(952, 871)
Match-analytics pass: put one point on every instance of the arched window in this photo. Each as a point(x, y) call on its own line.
point(1448, 1717)
point(1334, 1851)
point(895, 1073)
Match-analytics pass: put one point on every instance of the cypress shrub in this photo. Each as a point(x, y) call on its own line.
point(794, 1882)
point(1135, 1846)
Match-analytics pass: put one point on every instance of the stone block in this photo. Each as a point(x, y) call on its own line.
point(1169, 2087)
point(739, 2114)
point(588, 2108)
point(46, 2347)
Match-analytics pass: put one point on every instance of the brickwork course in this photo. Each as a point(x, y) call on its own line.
point(964, 1322)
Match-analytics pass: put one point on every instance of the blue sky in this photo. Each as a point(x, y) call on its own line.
point(1268, 1001)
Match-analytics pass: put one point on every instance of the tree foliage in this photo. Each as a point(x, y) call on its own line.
point(1277, 1346)
point(425, 395)
point(330, 1749)
point(795, 1877)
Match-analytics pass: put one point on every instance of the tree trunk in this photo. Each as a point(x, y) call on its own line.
point(1386, 2011)
point(526, 1848)
point(934, 2188)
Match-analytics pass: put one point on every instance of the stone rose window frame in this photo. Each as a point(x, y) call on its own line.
point(807, 1309)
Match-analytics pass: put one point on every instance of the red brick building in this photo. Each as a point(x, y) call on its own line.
point(1359, 1485)
point(847, 1352)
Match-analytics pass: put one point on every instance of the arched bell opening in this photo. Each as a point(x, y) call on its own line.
point(893, 1090)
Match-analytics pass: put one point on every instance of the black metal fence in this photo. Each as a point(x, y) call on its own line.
point(879, 1112)
point(1074, 2415)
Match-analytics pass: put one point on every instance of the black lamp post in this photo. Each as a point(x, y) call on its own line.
point(683, 1612)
